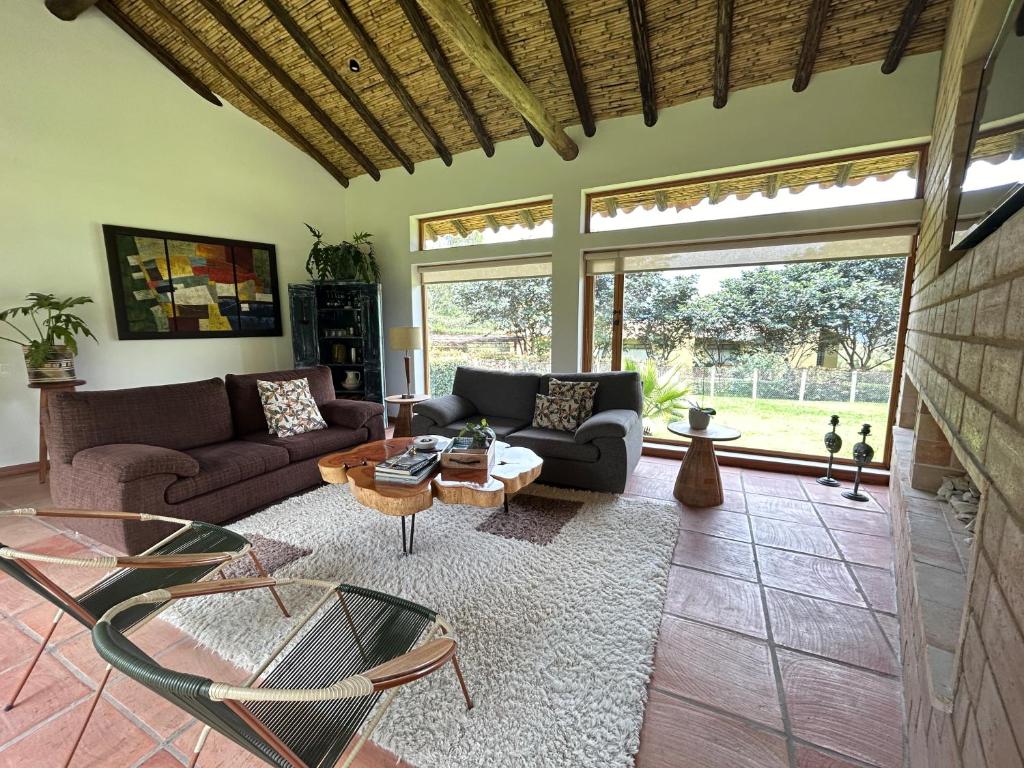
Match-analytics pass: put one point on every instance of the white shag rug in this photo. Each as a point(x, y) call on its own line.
point(556, 607)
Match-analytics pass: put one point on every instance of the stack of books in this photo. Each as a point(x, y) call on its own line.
point(409, 468)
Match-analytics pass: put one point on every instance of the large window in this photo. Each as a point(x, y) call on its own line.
point(500, 224)
point(837, 182)
point(776, 337)
point(493, 314)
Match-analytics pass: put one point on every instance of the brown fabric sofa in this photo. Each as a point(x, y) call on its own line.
point(198, 450)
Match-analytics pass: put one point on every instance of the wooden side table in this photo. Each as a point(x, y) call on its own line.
point(403, 424)
point(45, 388)
point(699, 482)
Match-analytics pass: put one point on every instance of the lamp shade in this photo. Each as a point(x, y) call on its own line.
point(405, 337)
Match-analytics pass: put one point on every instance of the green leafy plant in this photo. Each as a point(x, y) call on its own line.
point(54, 326)
point(480, 433)
point(663, 397)
point(344, 261)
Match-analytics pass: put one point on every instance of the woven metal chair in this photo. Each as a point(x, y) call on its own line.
point(316, 690)
point(192, 553)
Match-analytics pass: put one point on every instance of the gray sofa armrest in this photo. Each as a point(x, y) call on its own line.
point(614, 423)
point(351, 414)
point(124, 462)
point(444, 410)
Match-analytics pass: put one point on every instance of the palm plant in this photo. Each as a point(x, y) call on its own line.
point(664, 398)
point(54, 326)
point(344, 261)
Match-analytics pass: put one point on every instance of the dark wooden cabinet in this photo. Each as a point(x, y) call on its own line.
point(338, 324)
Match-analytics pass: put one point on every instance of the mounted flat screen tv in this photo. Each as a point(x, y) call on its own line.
point(993, 181)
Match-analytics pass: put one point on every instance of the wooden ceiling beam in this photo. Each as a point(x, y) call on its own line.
point(812, 40)
point(723, 51)
point(492, 223)
point(157, 51)
point(474, 41)
point(572, 65)
point(68, 10)
point(644, 67)
point(339, 83)
point(246, 40)
point(771, 186)
point(911, 13)
point(661, 200)
point(526, 217)
point(485, 15)
point(444, 70)
point(460, 228)
point(244, 88)
point(384, 69)
point(843, 174)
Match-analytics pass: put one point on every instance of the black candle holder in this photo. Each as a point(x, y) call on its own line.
point(833, 443)
point(862, 454)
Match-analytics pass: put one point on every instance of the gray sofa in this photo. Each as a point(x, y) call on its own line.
point(599, 456)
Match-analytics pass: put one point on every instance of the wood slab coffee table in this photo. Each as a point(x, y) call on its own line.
point(514, 468)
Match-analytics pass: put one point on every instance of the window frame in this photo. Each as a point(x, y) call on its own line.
point(422, 222)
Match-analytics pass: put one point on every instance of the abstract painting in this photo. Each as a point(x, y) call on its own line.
point(168, 285)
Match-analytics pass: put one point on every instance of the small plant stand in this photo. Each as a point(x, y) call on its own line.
point(699, 482)
point(45, 388)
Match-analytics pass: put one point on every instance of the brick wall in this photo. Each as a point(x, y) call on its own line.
point(965, 347)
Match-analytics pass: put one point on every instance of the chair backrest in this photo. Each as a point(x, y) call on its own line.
point(189, 692)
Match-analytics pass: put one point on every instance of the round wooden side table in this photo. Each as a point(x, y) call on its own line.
point(699, 482)
point(403, 424)
point(45, 388)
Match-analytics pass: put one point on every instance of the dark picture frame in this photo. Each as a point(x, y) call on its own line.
point(173, 285)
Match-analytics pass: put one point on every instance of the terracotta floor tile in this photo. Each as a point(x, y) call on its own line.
point(372, 756)
point(822, 494)
point(155, 711)
point(732, 501)
point(717, 668)
point(22, 532)
point(15, 646)
point(718, 600)
point(816, 576)
point(81, 654)
point(162, 759)
point(218, 752)
point(712, 553)
point(156, 636)
point(650, 488)
point(16, 597)
point(186, 657)
point(772, 484)
point(864, 549)
point(110, 740)
point(879, 586)
point(812, 758)
point(856, 520)
point(891, 627)
point(782, 508)
point(39, 619)
point(716, 522)
point(852, 712)
point(678, 735)
point(25, 491)
point(731, 479)
point(840, 632)
point(51, 688)
point(808, 539)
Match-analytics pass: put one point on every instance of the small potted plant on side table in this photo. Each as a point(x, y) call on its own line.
point(50, 344)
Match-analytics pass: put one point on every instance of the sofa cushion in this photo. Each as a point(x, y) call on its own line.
point(311, 444)
point(289, 407)
point(445, 410)
point(351, 414)
point(177, 416)
point(508, 394)
point(244, 397)
point(614, 423)
point(502, 427)
point(550, 443)
point(561, 413)
point(616, 389)
point(225, 464)
point(124, 462)
point(582, 393)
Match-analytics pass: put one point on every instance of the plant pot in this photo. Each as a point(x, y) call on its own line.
point(699, 418)
point(59, 366)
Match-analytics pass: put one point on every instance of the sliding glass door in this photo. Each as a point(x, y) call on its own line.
point(777, 337)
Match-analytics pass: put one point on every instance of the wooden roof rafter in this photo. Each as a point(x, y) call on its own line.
point(816, 19)
point(314, 54)
point(260, 103)
point(723, 51)
point(228, 22)
point(437, 57)
point(570, 61)
point(485, 15)
point(901, 38)
point(644, 65)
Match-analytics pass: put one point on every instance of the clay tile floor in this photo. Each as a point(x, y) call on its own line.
point(778, 644)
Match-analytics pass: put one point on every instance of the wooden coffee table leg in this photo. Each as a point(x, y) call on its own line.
point(699, 483)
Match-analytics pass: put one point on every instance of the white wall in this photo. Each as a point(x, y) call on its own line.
point(93, 130)
point(852, 108)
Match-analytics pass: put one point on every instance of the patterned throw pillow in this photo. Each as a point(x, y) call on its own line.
point(289, 407)
point(559, 413)
point(581, 392)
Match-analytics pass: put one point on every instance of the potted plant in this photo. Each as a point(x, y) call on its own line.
point(344, 261)
point(479, 433)
point(50, 345)
point(700, 415)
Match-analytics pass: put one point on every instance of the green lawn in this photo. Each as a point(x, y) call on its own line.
point(795, 427)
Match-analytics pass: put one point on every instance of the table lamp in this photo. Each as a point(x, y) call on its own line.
point(405, 339)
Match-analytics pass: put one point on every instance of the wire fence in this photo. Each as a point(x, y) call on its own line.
point(804, 384)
